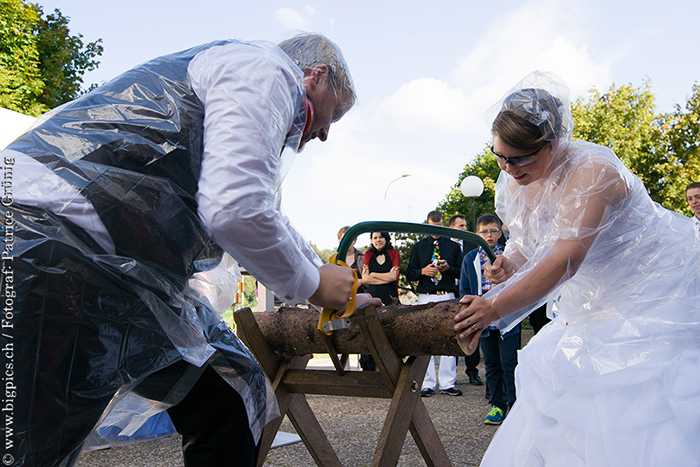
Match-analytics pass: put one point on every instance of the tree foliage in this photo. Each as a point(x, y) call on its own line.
point(64, 59)
point(324, 254)
point(41, 63)
point(486, 168)
point(20, 75)
point(661, 149)
point(681, 162)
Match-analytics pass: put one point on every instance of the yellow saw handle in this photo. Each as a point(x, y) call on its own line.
point(327, 314)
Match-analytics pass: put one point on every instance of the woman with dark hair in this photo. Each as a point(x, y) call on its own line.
point(380, 269)
point(613, 379)
point(380, 275)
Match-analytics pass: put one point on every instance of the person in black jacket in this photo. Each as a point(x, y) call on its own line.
point(435, 263)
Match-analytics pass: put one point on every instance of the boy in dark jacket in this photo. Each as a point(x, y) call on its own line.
point(500, 352)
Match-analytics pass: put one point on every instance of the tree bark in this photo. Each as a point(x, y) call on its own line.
point(293, 331)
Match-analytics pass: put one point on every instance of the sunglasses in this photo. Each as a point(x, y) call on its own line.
point(519, 161)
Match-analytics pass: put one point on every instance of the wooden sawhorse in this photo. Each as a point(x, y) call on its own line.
point(395, 379)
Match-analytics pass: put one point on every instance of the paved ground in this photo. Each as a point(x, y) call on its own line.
point(352, 425)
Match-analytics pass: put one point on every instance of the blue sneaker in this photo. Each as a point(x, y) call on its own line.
point(495, 417)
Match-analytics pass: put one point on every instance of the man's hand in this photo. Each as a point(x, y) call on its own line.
point(430, 270)
point(442, 265)
point(335, 287)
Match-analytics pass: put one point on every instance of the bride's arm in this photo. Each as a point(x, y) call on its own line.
point(595, 187)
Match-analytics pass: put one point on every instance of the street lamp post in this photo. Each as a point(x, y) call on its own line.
point(387, 189)
point(472, 187)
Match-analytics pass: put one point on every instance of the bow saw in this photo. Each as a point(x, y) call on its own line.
point(332, 320)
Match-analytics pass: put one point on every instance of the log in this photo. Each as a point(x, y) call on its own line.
point(293, 331)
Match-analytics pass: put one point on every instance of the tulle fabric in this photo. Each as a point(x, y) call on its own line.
point(613, 380)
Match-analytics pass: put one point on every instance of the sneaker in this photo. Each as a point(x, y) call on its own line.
point(495, 417)
point(451, 392)
point(426, 392)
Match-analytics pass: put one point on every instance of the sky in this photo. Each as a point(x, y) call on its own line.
point(425, 73)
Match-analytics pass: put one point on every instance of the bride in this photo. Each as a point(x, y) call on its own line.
point(614, 379)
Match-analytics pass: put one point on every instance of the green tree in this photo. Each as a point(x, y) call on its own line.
point(486, 168)
point(404, 243)
point(682, 162)
point(41, 63)
point(661, 149)
point(64, 59)
point(20, 74)
point(624, 120)
point(324, 254)
point(483, 166)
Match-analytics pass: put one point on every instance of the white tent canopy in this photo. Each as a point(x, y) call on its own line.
point(12, 125)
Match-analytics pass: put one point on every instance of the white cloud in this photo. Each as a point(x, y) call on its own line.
point(291, 19)
point(310, 10)
point(545, 35)
point(432, 126)
point(343, 180)
point(426, 104)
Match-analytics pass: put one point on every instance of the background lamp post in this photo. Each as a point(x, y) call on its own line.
point(387, 189)
point(472, 187)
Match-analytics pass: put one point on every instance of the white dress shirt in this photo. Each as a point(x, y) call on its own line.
point(250, 93)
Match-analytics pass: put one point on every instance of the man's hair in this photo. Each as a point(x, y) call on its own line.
point(488, 219)
point(454, 218)
point(310, 49)
point(692, 185)
point(435, 216)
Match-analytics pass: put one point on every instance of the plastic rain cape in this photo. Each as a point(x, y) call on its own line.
point(90, 315)
point(617, 368)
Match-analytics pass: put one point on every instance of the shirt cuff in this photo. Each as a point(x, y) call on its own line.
point(308, 281)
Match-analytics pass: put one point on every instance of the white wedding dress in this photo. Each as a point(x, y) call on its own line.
point(614, 380)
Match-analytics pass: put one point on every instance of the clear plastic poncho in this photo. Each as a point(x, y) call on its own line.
point(101, 236)
point(612, 381)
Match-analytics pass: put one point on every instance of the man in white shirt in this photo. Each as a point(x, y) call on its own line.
point(692, 194)
point(113, 201)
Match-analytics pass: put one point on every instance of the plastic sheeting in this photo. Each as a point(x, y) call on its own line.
point(612, 381)
point(542, 99)
point(96, 254)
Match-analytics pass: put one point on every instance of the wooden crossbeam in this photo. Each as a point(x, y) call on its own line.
point(395, 379)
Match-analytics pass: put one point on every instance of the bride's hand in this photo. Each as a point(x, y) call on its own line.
point(473, 317)
point(500, 271)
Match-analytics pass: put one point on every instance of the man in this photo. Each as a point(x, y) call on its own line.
point(458, 221)
point(692, 194)
point(117, 199)
point(435, 263)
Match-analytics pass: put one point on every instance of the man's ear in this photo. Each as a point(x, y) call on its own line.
point(314, 75)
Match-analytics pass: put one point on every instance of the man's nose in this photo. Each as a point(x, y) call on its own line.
point(323, 133)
